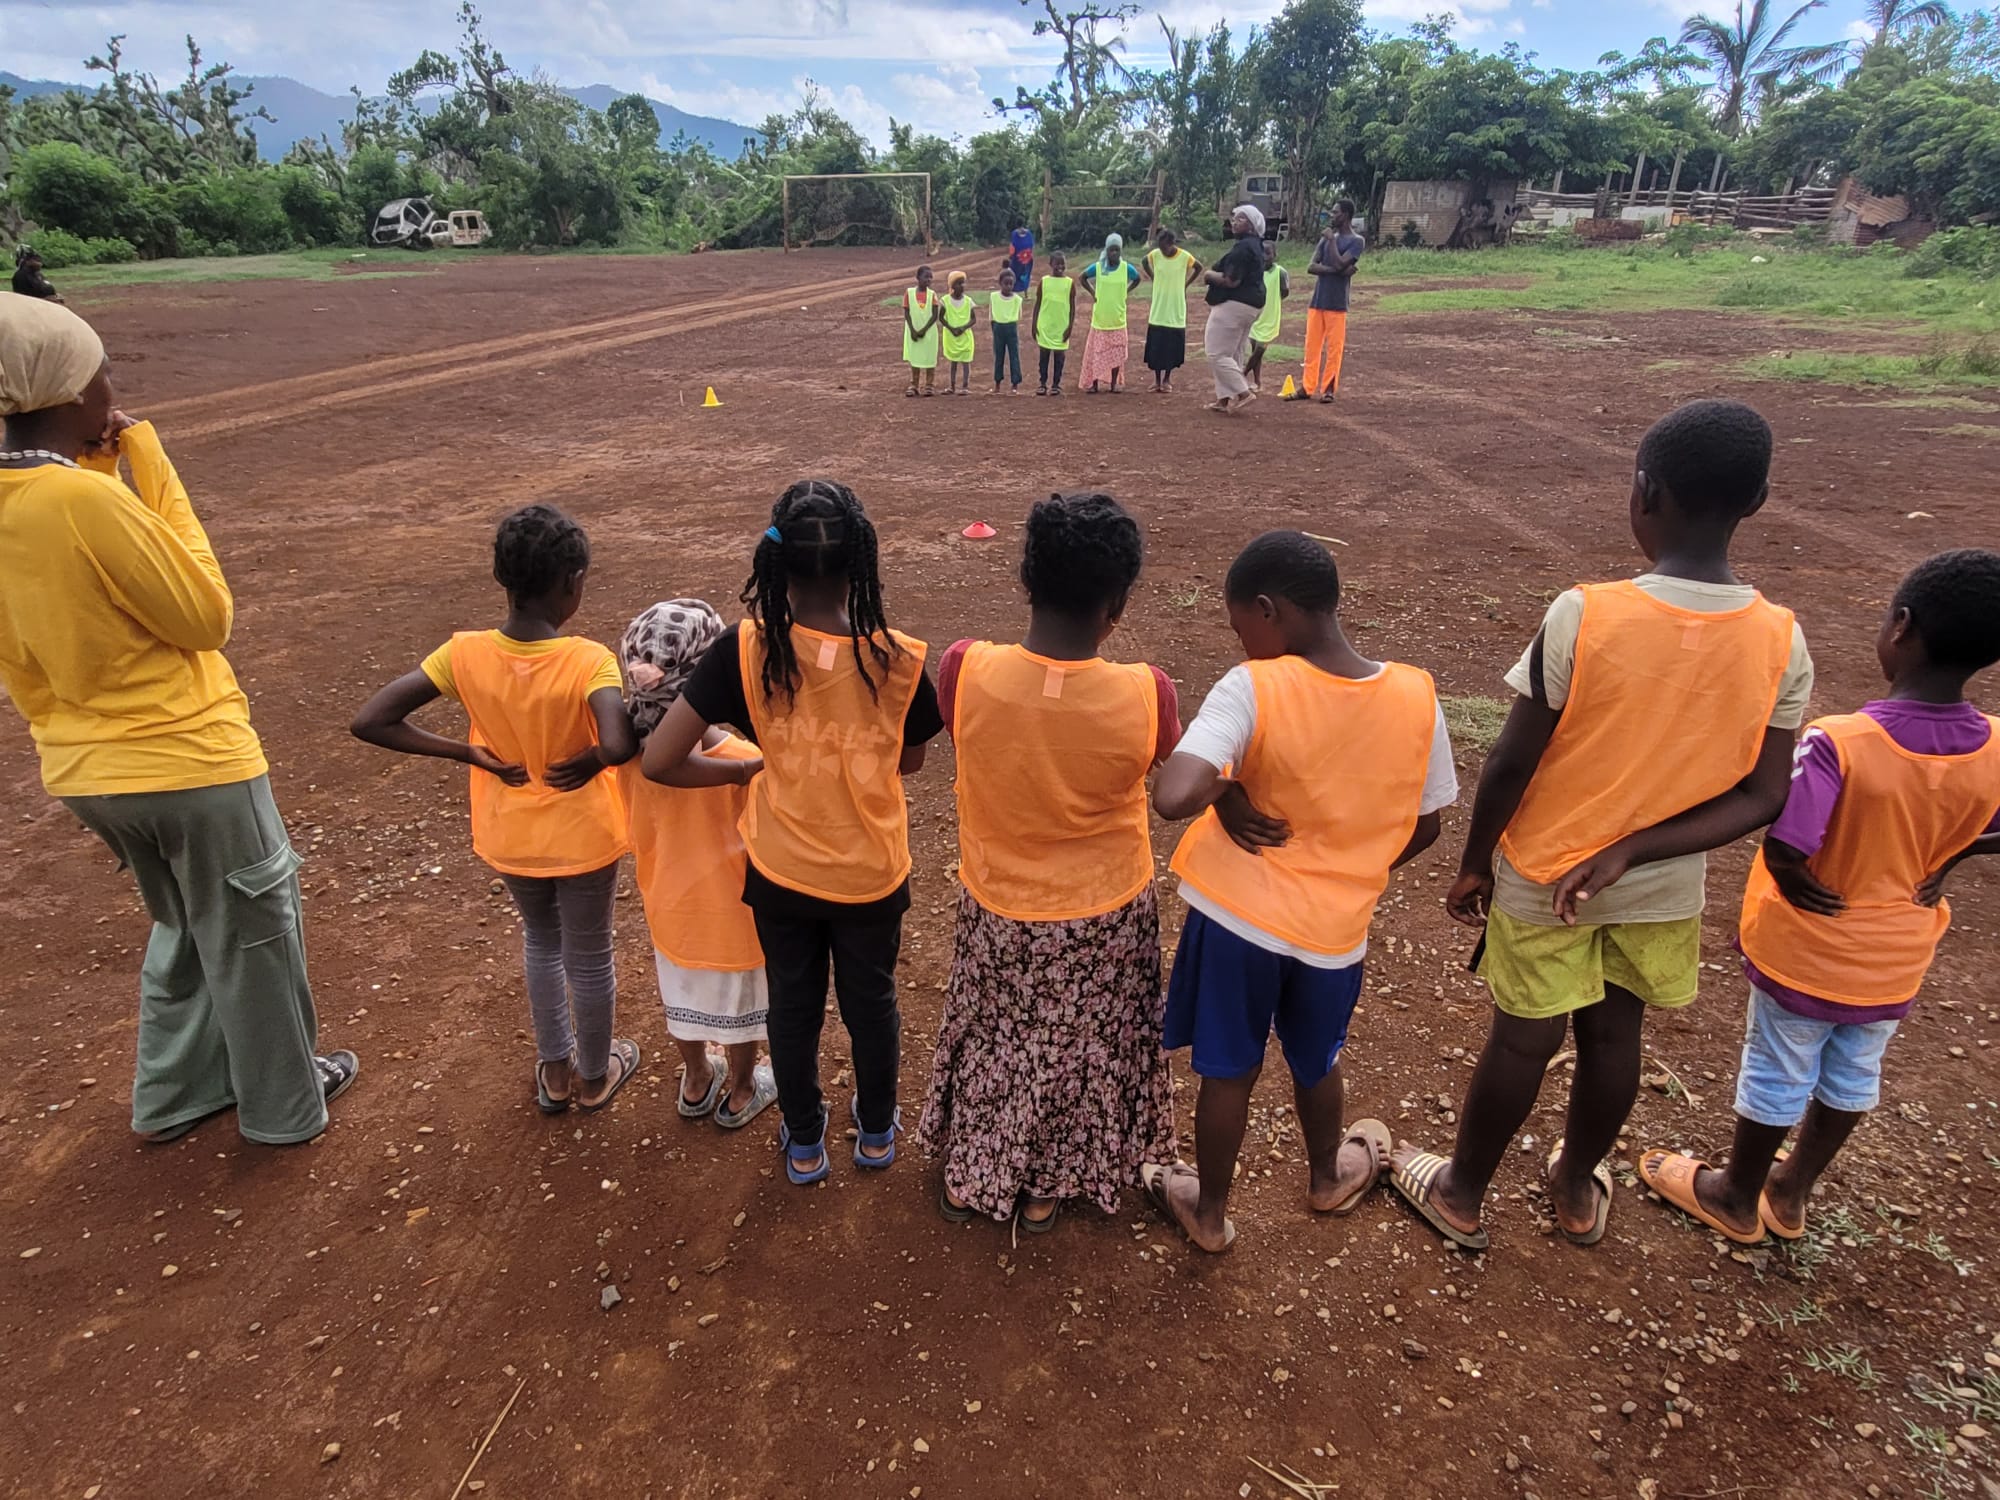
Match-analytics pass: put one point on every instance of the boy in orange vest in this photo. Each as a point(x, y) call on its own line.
point(1656, 721)
point(1341, 766)
point(1846, 906)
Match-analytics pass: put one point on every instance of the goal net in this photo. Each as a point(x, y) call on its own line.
point(858, 208)
point(1083, 213)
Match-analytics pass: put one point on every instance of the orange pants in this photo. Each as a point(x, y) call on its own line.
point(1326, 341)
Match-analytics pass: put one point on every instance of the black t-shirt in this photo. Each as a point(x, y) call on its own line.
point(715, 691)
point(1245, 261)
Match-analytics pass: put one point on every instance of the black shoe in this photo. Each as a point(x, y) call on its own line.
point(337, 1072)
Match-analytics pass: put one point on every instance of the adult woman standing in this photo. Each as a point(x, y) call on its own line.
point(1235, 297)
point(112, 624)
point(1110, 280)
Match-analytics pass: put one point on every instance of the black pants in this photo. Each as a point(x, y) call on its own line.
point(863, 957)
point(1058, 356)
point(1006, 348)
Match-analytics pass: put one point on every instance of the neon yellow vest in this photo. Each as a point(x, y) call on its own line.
point(1169, 289)
point(1003, 308)
point(1113, 287)
point(1265, 329)
point(1053, 314)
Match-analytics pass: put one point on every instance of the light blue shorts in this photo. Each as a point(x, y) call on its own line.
point(1790, 1059)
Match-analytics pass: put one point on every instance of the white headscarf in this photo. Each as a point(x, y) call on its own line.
point(47, 355)
point(1255, 215)
point(1114, 242)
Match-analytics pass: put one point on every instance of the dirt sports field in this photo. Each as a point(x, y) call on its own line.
point(207, 1319)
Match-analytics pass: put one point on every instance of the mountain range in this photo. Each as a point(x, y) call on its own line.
point(304, 113)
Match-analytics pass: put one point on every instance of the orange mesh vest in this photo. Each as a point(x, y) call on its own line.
point(1667, 708)
point(1899, 817)
point(1343, 762)
point(534, 711)
point(826, 815)
point(688, 855)
point(1052, 763)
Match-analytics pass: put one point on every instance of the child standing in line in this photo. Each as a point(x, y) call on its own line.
point(956, 315)
point(1845, 907)
point(1169, 268)
point(920, 333)
point(1055, 318)
point(1655, 722)
point(1341, 767)
point(843, 708)
point(688, 856)
point(547, 715)
point(1109, 280)
point(1264, 332)
point(1049, 1082)
point(1004, 310)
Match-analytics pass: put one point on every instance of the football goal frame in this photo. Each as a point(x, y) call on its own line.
point(924, 228)
point(1128, 200)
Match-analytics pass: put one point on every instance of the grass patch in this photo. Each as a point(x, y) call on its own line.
point(1930, 403)
point(1979, 432)
point(1906, 371)
point(298, 265)
point(1475, 723)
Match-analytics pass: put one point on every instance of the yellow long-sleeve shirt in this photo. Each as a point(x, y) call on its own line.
point(113, 616)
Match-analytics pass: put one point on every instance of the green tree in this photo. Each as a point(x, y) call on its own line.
point(1299, 65)
point(1753, 57)
point(62, 186)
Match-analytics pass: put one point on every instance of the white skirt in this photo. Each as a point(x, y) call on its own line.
point(711, 1005)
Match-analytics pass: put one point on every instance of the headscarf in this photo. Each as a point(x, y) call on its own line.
point(957, 282)
point(47, 355)
point(659, 652)
point(1114, 242)
point(1255, 215)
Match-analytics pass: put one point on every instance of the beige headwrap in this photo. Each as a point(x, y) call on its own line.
point(47, 355)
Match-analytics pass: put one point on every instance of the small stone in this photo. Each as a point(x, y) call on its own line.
point(1972, 1432)
point(329, 1453)
point(1676, 1421)
point(91, 1493)
point(673, 1283)
point(1628, 1408)
point(1281, 1375)
point(1612, 1314)
point(1445, 1402)
point(707, 1320)
point(166, 1271)
point(609, 1298)
point(31, 1252)
point(1866, 1430)
point(1388, 1309)
point(738, 1220)
point(1649, 1489)
point(1414, 1350)
point(475, 1485)
point(920, 1446)
point(972, 1408)
point(1512, 1463)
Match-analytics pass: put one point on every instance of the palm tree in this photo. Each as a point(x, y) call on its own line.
point(1895, 20)
point(1752, 58)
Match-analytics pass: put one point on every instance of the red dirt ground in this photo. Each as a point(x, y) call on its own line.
point(350, 444)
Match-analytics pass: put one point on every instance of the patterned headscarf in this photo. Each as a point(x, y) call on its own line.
point(658, 653)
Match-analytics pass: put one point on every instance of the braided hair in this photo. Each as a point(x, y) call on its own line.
point(1083, 553)
point(818, 530)
point(537, 550)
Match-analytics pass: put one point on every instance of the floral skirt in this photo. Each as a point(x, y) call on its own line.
point(1103, 356)
point(1049, 1079)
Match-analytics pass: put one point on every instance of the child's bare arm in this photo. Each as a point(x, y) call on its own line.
point(1932, 890)
point(911, 760)
point(1429, 826)
point(673, 759)
point(1791, 872)
point(383, 721)
point(617, 742)
point(1188, 786)
point(1749, 805)
point(1503, 781)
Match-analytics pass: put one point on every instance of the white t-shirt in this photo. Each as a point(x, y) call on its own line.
point(1220, 735)
point(1672, 889)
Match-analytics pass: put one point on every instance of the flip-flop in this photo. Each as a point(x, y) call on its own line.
point(763, 1094)
point(954, 1213)
point(627, 1053)
point(1412, 1181)
point(718, 1086)
point(1599, 1174)
point(1787, 1232)
point(1039, 1226)
point(1671, 1174)
point(548, 1103)
point(1375, 1139)
point(1153, 1177)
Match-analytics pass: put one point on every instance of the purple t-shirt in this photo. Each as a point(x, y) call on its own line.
point(1921, 729)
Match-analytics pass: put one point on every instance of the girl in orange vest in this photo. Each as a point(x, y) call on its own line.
point(1049, 1082)
point(842, 708)
point(688, 856)
point(1846, 906)
point(547, 714)
point(1656, 721)
point(1312, 773)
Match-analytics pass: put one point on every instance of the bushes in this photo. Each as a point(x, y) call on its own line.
point(1975, 250)
point(240, 209)
point(59, 248)
point(62, 186)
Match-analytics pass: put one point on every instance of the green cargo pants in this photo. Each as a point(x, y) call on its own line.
point(225, 1012)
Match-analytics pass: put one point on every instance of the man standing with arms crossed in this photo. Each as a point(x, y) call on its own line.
point(1332, 269)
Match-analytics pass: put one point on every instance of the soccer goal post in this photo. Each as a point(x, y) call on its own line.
point(1075, 210)
point(858, 208)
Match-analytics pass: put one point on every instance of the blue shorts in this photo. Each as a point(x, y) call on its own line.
point(1790, 1059)
point(1226, 994)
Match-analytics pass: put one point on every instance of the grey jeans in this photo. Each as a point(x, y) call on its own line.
point(1227, 340)
point(225, 1011)
point(572, 975)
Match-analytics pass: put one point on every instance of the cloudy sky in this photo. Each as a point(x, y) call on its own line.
point(936, 63)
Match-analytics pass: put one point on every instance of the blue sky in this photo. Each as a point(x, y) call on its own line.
point(936, 63)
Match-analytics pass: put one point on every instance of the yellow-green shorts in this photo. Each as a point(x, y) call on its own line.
point(1540, 972)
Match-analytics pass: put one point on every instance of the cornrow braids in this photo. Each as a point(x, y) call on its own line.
point(536, 550)
point(820, 531)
